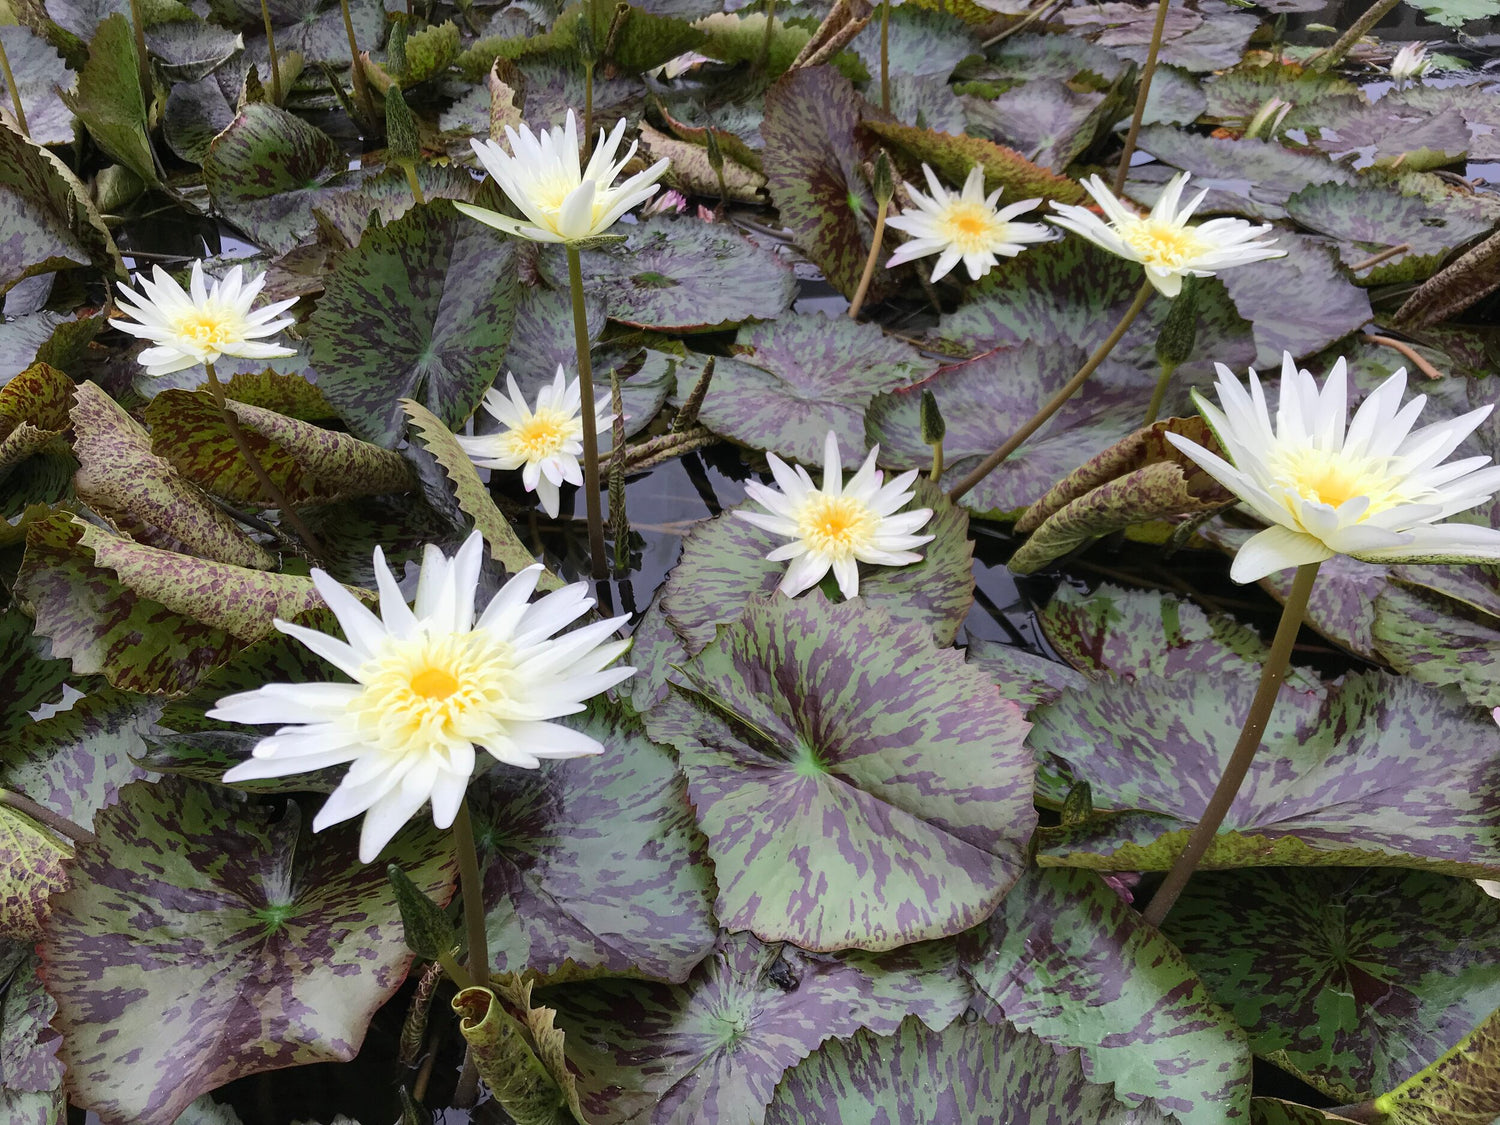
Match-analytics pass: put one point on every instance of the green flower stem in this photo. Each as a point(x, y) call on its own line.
point(937, 462)
point(471, 889)
point(590, 420)
point(15, 91)
point(1147, 72)
point(885, 56)
point(412, 182)
point(876, 244)
point(268, 486)
point(143, 59)
point(1271, 676)
point(1058, 400)
point(356, 72)
point(265, 15)
point(588, 110)
point(1357, 31)
point(1164, 380)
point(43, 815)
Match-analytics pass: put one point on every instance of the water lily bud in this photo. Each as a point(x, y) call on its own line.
point(933, 427)
point(1180, 330)
point(395, 46)
point(885, 186)
point(715, 154)
point(429, 934)
point(403, 145)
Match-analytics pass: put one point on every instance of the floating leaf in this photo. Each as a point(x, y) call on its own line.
point(712, 1049)
point(1461, 1088)
point(31, 859)
point(828, 827)
point(267, 170)
point(921, 43)
point(951, 157)
point(813, 161)
point(1391, 135)
point(595, 864)
point(1443, 628)
point(39, 74)
point(1351, 979)
point(1047, 120)
point(793, 379)
point(120, 477)
point(683, 275)
point(40, 230)
point(1328, 787)
point(188, 48)
point(108, 99)
point(723, 567)
point(387, 197)
point(28, 679)
point(976, 1072)
point(1368, 221)
point(28, 1046)
point(692, 174)
point(239, 913)
point(1199, 38)
point(473, 497)
point(1065, 959)
point(1021, 676)
point(1142, 478)
point(312, 28)
point(425, 304)
point(196, 113)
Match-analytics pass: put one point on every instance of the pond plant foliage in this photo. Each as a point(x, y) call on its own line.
point(345, 342)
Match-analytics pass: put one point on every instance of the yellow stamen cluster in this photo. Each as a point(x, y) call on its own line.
point(835, 525)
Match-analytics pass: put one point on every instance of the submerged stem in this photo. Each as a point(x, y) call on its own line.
point(1148, 71)
point(765, 43)
point(15, 91)
point(272, 491)
point(1238, 766)
point(590, 419)
point(875, 247)
point(1057, 401)
point(265, 15)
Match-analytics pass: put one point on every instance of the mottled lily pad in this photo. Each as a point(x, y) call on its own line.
point(1067, 960)
point(38, 201)
point(683, 275)
point(921, 43)
point(40, 74)
point(1206, 35)
point(108, 97)
point(1444, 628)
point(1330, 784)
point(712, 1049)
point(977, 1072)
point(1354, 980)
point(595, 864)
point(313, 28)
point(793, 379)
point(1393, 135)
point(422, 309)
point(1045, 120)
point(239, 911)
point(828, 827)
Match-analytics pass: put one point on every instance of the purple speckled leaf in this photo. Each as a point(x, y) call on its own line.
point(984, 400)
point(28, 1047)
point(655, 648)
point(201, 940)
point(1442, 625)
point(795, 378)
point(813, 156)
point(1380, 770)
point(1352, 979)
point(859, 787)
point(28, 679)
point(723, 566)
point(1020, 675)
point(713, 1048)
point(595, 861)
point(1066, 959)
point(422, 309)
point(968, 1074)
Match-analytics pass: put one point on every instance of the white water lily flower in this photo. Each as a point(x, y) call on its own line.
point(544, 443)
point(202, 323)
point(1411, 61)
point(838, 526)
point(1371, 487)
point(963, 227)
point(431, 682)
point(1163, 241)
point(542, 178)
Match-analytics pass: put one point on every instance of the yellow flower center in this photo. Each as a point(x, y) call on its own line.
point(431, 690)
point(543, 435)
point(206, 329)
point(970, 226)
point(835, 525)
point(1321, 476)
point(1164, 244)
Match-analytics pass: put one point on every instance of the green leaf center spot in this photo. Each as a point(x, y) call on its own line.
point(806, 761)
point(653, 280)
point(275, 915)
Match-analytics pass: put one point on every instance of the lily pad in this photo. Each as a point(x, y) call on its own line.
point(1020, 675)
point(1459, 1088)
point(951, 157)
point(1202, 36)
point(683, 275)
point(28, 679)
point(1330, 786)
point(595, 864)
point(1443, 629)
point(189, 49)
point(793, 379)
point(1391, 135)
point(39, 205)
point(238, 912)
point(28, 1046)
point(196, 113)
point(1353, 980)
point(828, 827)
point(267, 170)
point(387, 196)
point(108, 98)
point(975, 1072)
point(712, 1049)
point(813, 163)
point(424, 305)
point(723, 567)
point(40, 74)
point(1047, 121)
point(1066, 960)
point(313, 28)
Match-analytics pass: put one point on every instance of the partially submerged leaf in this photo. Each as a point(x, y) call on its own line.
point(240, 912)
point(1460, 1088)
point(859, 787)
